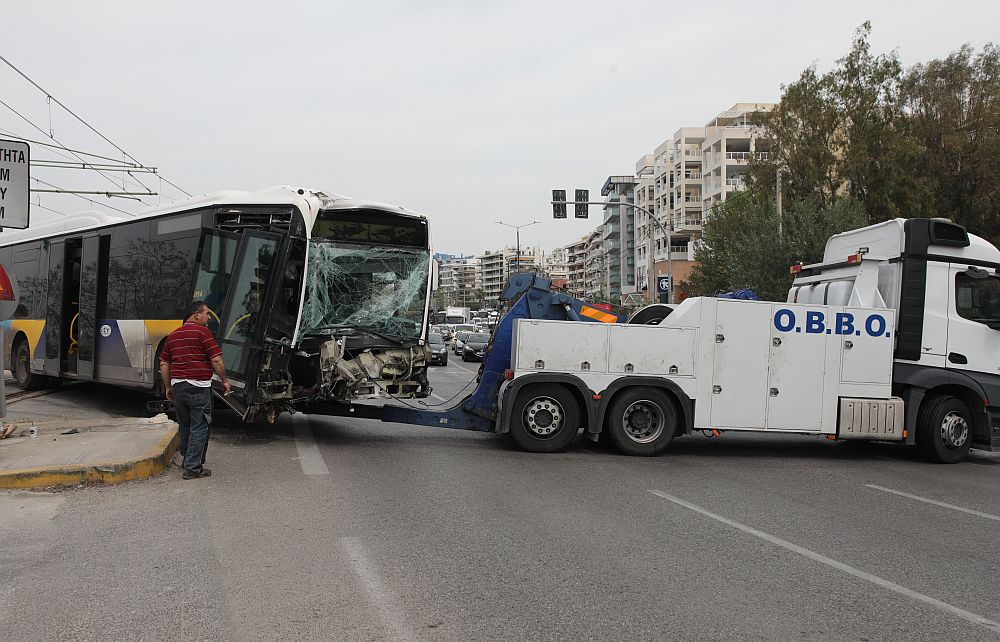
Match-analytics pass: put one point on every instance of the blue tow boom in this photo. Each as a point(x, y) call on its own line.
point(478, 411)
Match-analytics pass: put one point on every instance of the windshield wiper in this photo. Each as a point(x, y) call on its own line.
point(354, 326)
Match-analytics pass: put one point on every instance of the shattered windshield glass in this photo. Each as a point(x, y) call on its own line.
point(377, 289)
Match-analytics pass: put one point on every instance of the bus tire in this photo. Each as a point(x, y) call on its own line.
point(20, 366)
point(545, 418)
point(641, 421)
point(944, 430)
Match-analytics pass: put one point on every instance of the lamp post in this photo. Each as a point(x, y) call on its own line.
point(518, 235)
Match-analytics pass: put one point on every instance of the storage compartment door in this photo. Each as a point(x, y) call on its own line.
point(796, 370)
point(739, 377)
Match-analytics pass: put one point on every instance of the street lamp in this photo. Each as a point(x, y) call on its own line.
point(518, 229)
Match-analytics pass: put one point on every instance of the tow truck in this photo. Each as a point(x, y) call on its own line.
point(894, 337)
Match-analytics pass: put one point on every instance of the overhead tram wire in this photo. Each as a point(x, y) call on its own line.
point(89, 200)
point(110, 179)
point(75, 151)
point(85, 123)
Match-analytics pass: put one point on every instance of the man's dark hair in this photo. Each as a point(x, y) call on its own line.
point(195, 308)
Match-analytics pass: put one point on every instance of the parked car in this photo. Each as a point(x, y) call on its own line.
point(475, 346)
point(439, 350)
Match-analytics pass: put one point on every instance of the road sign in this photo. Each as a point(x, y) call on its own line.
point(558, 203)
point(582, 196)
point(663, 284)
point(15, 158)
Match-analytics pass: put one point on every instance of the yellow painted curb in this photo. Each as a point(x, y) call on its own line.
point(113, 472)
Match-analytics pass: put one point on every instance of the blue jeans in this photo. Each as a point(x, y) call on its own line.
point(194, 414)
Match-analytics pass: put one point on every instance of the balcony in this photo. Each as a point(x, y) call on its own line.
point(735, 182)
point(740, 157)
point(687, 224)
point(762, 155)
point(692, 176)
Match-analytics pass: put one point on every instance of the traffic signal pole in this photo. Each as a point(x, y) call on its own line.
point(556, 204)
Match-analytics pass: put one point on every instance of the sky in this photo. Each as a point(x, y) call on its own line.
point(467, 112)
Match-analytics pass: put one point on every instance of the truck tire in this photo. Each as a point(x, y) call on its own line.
point(641, 421)
point(545, 418)
point(20, 366)
point(944, 430)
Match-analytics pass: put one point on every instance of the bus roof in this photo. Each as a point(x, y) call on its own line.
point(310, 202)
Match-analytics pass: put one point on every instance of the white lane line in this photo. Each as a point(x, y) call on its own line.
point(310, 458)
point(840, 566)
point(464, 368)
point(380, 597)
point(936, 503)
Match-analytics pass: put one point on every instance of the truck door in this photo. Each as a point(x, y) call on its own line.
point(739, 375)
point(973, 319)
point(234, 277)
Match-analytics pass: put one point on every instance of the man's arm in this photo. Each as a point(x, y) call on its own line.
point(165, 378)
point(220, 370)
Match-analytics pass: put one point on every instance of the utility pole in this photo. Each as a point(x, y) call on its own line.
point(517, 228)
point(777, 197)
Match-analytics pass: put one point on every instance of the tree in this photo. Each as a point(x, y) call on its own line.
point(954, 107)
point(846, 134)
point(741, 247)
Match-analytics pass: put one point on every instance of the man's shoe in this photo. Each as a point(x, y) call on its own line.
point(205, 472)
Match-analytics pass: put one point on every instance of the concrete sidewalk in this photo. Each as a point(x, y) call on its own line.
point(101, 450)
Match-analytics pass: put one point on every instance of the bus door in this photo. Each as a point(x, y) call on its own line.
point(234, 276)
point(92, 294)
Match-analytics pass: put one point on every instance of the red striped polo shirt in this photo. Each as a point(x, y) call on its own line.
point(189, 350)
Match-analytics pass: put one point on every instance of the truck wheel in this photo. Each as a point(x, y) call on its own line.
point(21, 367)
point(641, 421)
point(544, 419)
point(944, 430)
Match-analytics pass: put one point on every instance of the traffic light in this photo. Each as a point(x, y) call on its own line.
point(582, 196)
point(558, 203)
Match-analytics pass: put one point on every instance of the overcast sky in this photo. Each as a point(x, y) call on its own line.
point(468, 112)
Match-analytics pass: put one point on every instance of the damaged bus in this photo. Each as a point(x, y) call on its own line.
point(316, 299)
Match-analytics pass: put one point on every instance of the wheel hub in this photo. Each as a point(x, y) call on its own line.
point(543, 417)
point(643, 422)
point(954, 430)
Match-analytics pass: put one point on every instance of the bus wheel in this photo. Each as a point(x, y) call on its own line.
point(544, 419)
point(641, 421)
point(944, 430)
point(21, 367)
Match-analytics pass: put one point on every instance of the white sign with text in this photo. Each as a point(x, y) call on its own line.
point(15, 160)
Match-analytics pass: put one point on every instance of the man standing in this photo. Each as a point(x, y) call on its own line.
point(187, 360)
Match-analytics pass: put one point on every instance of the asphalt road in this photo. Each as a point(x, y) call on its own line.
point(332, 528)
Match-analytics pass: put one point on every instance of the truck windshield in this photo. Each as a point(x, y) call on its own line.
point(378, 289)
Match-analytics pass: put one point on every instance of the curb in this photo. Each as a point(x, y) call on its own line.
point(152, 462)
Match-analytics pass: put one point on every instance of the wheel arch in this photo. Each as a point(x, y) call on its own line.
point(580, 391)
point(920, 387)
point(682, 403)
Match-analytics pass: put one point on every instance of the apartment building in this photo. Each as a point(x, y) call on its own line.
point(731, 140)
point(496, 266)
point(576, 259)
point(459, 279)
point(619, 236)
point(645, 198)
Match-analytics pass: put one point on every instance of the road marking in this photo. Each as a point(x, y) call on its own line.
point(840, 566)
point(464, 368)
point(310, 458)
point(381, 598)
point(936, 503)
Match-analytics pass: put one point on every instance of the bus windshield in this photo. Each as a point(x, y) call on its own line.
point(380, 289)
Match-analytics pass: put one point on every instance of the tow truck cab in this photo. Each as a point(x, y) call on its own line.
point(944, 287)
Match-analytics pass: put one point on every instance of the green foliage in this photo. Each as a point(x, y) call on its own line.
point(954, 107)
point(742, 248)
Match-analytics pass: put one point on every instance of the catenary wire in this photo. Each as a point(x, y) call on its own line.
point(85, 123)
